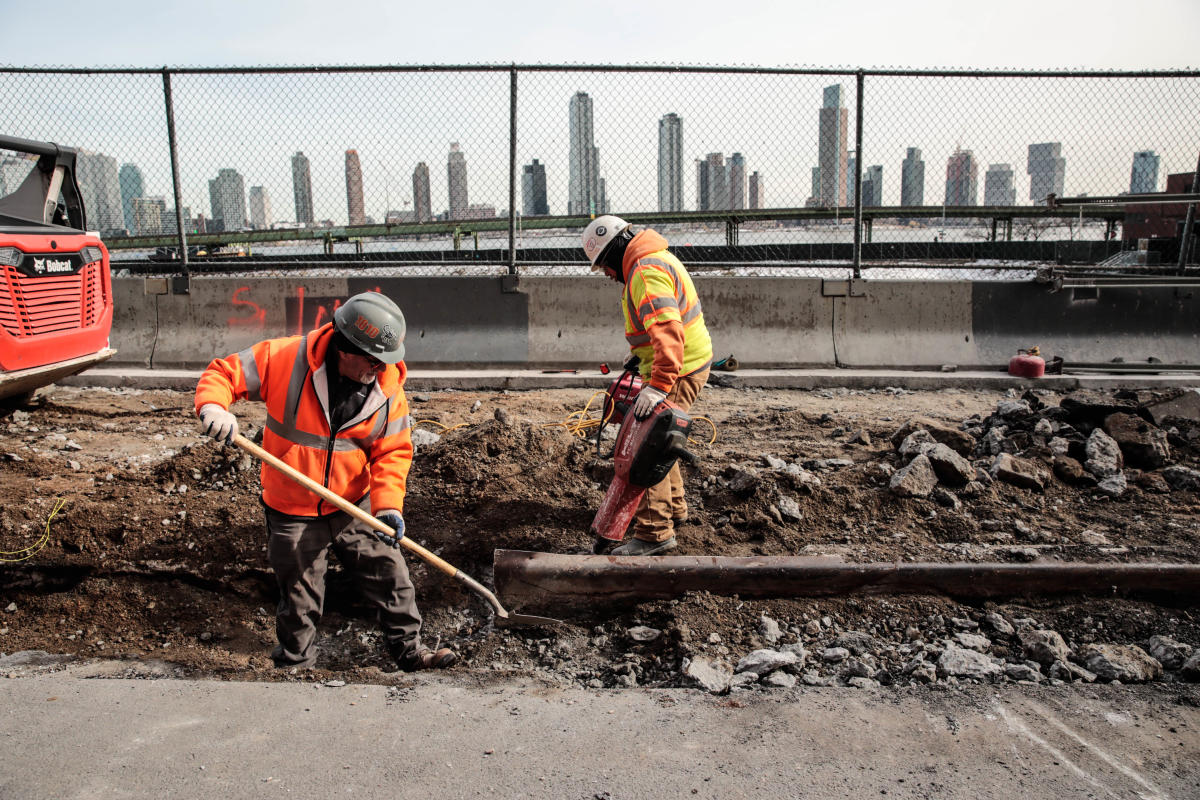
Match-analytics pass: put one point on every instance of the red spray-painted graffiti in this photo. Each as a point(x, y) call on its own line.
point(258, 314)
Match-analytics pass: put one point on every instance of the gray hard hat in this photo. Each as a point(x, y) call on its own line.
point(374, 324)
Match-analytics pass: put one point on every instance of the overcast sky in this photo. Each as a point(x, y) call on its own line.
point(255, 123)
point(1109, 34)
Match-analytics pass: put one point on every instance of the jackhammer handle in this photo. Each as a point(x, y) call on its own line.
point(351, 509)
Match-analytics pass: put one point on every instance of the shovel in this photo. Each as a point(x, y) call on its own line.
point(503, 617)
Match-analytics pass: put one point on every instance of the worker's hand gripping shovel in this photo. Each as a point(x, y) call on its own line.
point(503, 616)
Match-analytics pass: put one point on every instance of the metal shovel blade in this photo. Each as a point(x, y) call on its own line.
point(526, 620)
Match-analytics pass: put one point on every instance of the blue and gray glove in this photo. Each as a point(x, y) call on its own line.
point(393, 520)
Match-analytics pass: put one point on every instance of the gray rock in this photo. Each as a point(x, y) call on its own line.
point(946, 499)
point(1044, 428)
point(641, 633)
point(812, 627)
point(862, 683)
point(854, 668)
point(973, 641)
point(789, 509)
point(769, 629)
point(923, 672)
point(1066, 671)
point(813, 678)
point(1013, 408)
point(1022, 672)
point(1018, 471)
point(742, 680)
point(860, 436)
point(857, 642)
point(1113, 485)
point(950, 467)
point(760, 662)
point(743, 481)
point(835, 654)
point(994, 441)
point(917, 479)
point(963, 663)
point(1170, 653)
point(1143, 445)
point(999, 624)
point(1191, 668)
point(1044, 646)
point(1060, 446)
point(801, 654)
point(422, 437)
point(1182, 478)
point(1124, 663)
point(1103, 455)
point(1184, 404)
point(774, 462)
point(712, 676)
point(779, 680)
point(915, 443)
point(957, 440)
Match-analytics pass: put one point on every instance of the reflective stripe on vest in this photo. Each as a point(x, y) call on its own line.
point(250, 370)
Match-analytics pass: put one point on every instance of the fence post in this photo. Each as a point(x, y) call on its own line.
point(1185, 241)
point(180, 229)
point(858, 165)
point(512, 171)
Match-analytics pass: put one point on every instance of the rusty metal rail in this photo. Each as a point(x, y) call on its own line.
point(527, 579)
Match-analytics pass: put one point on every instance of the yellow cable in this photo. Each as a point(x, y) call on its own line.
point(445, 428)
point(32, 550)
point(714, 431)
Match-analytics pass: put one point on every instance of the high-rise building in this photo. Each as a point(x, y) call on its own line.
point(737, 181)
point(712, 183)
point(100, 185)
point(149, 216)
point(583, 181)
point(999, 188)
point(872, 186)
point(422, 208)
point(962, 179)
point(302, 189)
point(533, 190)
point(355, 212)
point(132, 185)
point(227, 199)
point(912, 179)
point(755, 199)
point(851, 171)
point(260, 209)
point(456, 182)
point(1046, 168)
point(1144, 175)
point(815, 193)
point(670, 163)
point(831, 148)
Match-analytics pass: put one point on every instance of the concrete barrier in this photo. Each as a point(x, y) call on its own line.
point(544, 322)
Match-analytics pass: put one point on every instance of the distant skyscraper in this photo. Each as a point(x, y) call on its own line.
point(755, 200)
point(962, 179)
point(130, 178)
point(260, 209)
point(670, 163)
point(149, 215)
point(422, 208)
point(227, 199)
point(712, 183)
point(1144, 175)
point(998, 186)
point(831, 148)
point(851, 169)
point(533, 190)
point(816, 184)
point(737, 181)
point(583, 184)
point(302, 189)
point(1046, 168)
point(872, 186)
point(99, 184)
point(456, 182)
point(912, 179)
point(355, 212)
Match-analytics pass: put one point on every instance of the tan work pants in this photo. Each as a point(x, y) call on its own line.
point(664, 502)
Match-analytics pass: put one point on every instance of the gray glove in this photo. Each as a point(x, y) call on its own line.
point(393, 520)
point(647, 400)
point(218, 423)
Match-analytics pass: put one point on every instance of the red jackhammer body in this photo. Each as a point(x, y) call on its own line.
point(646, 450)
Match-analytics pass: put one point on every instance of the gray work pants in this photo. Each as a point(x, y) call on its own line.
point(298, 551)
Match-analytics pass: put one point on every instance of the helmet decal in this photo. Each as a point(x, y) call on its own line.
point(601, 230)
point(388, 337)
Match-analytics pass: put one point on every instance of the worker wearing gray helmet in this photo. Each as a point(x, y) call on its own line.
point(336, 412)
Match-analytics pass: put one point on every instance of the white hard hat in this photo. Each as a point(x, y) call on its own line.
point(374, 324)
point(600, 233)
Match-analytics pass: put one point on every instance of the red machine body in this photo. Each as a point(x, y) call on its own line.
point(646, 450)
point(620, 395)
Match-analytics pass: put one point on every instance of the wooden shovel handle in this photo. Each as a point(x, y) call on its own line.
point(342, 503)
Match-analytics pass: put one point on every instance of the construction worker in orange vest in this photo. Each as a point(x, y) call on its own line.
point(665, 330)
point(336, 411)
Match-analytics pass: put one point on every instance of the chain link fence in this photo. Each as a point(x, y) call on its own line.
point(493, 170)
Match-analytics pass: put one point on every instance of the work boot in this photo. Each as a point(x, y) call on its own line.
point(640, 547)
point(424, 658)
